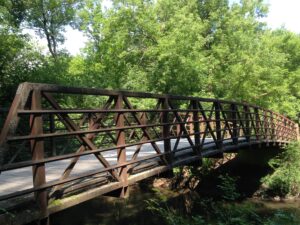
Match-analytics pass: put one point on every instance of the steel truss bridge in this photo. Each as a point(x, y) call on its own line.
point(74, 144)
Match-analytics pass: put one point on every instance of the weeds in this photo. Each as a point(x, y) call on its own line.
point(286, 177)
point(212, 212)
point(227, 187)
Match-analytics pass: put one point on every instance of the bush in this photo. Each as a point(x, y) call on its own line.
point(212, 212)
point(286, 177)
point(171, 216)
point(227, 187)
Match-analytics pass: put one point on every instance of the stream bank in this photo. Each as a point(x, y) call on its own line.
point(229, 194)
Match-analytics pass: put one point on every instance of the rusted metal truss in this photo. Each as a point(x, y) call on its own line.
point(41, 128)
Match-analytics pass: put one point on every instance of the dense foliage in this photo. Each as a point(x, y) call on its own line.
point(210, 212)
point(208, 48)
point(286, 177)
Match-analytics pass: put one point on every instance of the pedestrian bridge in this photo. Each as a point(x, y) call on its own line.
point(60, 146)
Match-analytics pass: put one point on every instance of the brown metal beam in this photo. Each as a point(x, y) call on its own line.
point(121, 151)
point(37, 149)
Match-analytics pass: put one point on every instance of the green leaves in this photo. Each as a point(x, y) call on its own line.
point(158, 43)
point(203, 48)
point(49, 18)
point(206, 48)
point(227, 187)
point(286, 177)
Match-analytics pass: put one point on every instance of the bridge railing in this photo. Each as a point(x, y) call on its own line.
point(3, 114)
point(127, 132)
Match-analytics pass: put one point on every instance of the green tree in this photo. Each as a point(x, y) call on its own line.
point(199, 47)
point(21, 60)
point(118, 39)
point(154, 42)
point(247, 65)
point(18, 59)
point(178, 60)
point(289, 44)
point(12, 12)
point(49, 19)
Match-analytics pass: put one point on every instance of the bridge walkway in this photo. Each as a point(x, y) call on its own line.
point(55, 156)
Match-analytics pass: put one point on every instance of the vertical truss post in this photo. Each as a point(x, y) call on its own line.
point(177, 128)
point(121, 151)
point(277, 126)
point(235, 131)
point(143, 118)
point(257, 124)
point(281, 129)
point(275, 122)
point(52, 130)
point(196, 127)
point(12, 119)
point(292, 131)
point(218, 125)
point(190, 125)
point(280, 136)
point(288, 132)
point(266, 127)
point(294, 135)
point(234, 124)
point(90, 121)
point(297, 138)
point(37, 149)
point(284, 129)
point(166, 131)
point(272, 127)
point(247, 123)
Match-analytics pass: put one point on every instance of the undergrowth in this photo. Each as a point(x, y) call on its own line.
point(227, 210)
point(211, 212)
point(285, 180)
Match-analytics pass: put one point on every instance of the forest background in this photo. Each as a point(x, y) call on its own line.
point(204, 48)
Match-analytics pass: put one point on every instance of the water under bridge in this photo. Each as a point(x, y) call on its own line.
point(60, 146)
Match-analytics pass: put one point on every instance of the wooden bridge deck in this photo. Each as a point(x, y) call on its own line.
point(53, 156)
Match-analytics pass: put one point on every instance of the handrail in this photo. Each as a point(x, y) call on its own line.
point(39, 121)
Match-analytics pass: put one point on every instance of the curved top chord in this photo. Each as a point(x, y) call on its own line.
point(76, 139)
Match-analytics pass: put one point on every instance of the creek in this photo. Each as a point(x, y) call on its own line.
point(133, 210)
